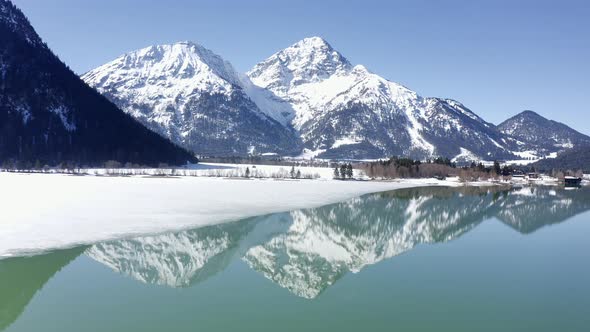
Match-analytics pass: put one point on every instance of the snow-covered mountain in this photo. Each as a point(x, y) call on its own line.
point(343, 110)
point(542, 136)
point(307, 98)
point(192, 96)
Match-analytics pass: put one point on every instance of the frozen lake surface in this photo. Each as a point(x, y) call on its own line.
point(49, 211)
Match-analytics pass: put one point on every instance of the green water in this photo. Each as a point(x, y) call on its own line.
point(430, 259)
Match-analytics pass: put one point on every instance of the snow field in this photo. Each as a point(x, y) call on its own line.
point(42, 212)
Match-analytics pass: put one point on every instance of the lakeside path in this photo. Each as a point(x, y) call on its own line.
point(42, 212)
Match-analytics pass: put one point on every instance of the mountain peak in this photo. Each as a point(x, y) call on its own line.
point(530, 114)
point(312, 42)
point(526, 118)
point(528, 126)
point(309, 60)
point(184, 65)
point(314, 51)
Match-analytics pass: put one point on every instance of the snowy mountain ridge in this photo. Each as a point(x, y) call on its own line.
point(307, 97)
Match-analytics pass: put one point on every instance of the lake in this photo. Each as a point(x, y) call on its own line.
point(425, 259)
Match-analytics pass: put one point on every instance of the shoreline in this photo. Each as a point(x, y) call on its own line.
point(72, 210)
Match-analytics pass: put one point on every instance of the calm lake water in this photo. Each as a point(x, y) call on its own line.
point(429, 259)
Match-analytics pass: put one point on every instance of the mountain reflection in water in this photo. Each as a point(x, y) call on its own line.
point(308, 250)
point(21, 278)
point(304, 251)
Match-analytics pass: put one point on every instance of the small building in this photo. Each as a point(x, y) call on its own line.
point(533, 175)
point(518, 175)
point(572, 181)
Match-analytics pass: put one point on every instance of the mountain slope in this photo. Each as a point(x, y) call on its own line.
point(192, 96)
point(575, 159)
point(538, 133)
point(48, 114)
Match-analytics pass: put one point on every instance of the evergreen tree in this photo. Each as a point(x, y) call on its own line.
point(343, 171)
point(292, 172)
point(497, 168)
point(247, 172)
point(349, 171)
point(298, 175)
point(336, 172)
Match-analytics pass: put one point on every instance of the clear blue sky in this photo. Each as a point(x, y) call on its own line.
point(497, 57)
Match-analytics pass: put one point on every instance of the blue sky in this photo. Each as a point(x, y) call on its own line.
point(497, 57)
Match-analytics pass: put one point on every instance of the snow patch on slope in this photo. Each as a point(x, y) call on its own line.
point(345, 141)
point(62, 112)
point(465, 156)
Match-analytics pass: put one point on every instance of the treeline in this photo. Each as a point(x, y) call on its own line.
point(408, 168)
point(558, 173)
point(13, 165)
point(256, 173)
point(439, 168)
point(115, 168)
point(265, 160)
point(478, 172)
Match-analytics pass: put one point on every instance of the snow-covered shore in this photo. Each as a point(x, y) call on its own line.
point(41, 212)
